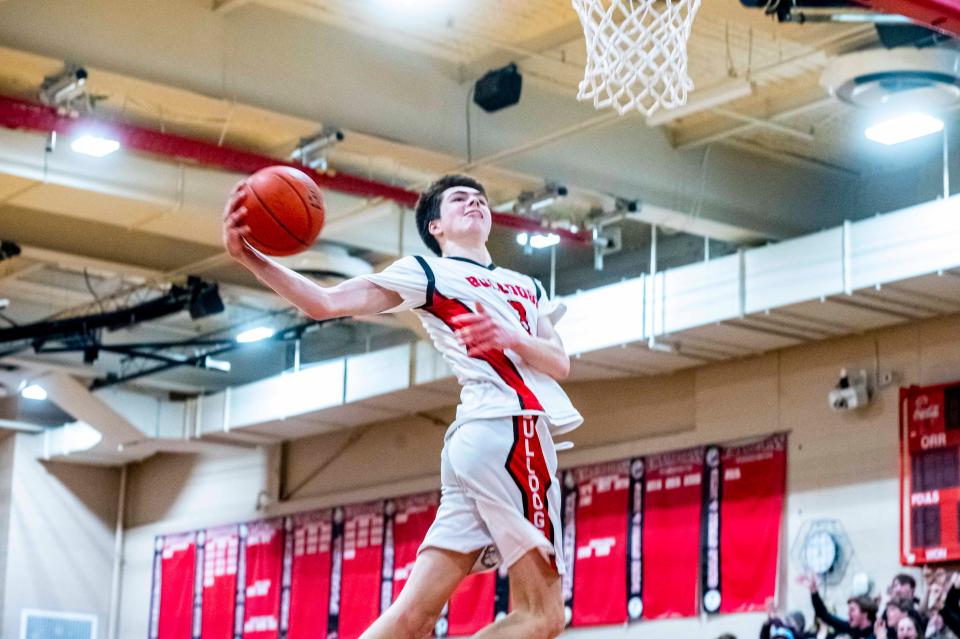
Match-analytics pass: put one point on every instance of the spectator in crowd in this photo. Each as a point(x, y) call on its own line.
point(894, 611)
point(936, 629)
point(903, 588)
point(950, 613)
point(910, 626)
point(861, 613)
point(790, 626)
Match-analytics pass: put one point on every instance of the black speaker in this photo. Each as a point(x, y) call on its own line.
point(498, 89)
point(204, 298)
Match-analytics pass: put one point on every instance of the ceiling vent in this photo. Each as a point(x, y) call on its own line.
point(896, 79)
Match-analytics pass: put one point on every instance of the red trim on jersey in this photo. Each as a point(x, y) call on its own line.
point(445, 309)
point(527, 465)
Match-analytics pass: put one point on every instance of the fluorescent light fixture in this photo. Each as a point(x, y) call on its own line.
point(34, 391)
point(538, 240)
point(222, 365)
point(255, 334)
point(542, 204)
point(902, 128)
point(94, 145)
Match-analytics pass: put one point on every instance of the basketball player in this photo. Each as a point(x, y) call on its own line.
point(500, 500)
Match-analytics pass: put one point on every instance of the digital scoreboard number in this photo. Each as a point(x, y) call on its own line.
point(930, 474)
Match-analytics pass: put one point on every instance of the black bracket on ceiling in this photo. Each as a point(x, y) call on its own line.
point(198, 297)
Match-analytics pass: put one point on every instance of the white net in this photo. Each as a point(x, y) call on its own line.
point(636, 53)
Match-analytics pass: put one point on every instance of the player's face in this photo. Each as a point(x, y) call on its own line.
point(464, 214)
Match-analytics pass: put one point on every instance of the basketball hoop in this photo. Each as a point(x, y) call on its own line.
point(636, 53)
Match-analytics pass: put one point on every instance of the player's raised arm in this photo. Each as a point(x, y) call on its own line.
point(356, 296)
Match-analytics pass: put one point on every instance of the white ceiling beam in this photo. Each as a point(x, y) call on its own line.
point(77, 400)
point(772, 120)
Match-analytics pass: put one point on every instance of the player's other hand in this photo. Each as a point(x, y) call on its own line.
point(234, 225)
point(480, 334)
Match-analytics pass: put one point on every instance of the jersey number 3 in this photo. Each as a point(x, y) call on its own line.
point(522, 312)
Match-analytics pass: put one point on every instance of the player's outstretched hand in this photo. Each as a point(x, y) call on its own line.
point(234, 226)
point(480, 333)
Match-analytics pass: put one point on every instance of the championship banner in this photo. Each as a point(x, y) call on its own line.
point(600, 565)
point(177, 573)
point(673, 489)
point(310, 575)
point(411, 520)
point(221, 550)
point(751, 508)
point(263, 566)
point(929, 474)
point(641, 538)
point(568, 518)
point(472, 605)
point(362, 560)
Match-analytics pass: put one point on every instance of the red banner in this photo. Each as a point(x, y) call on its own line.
point(310, 578)
point(362, 562)
point(642, 537)
point(600, 564)
point(751, 505)
point(220, 561)
point(264, 563)
point(411, 522)
point(471, 606)
point(671, 533)
point(177, 573)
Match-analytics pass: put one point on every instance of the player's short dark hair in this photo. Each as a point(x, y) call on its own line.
point(428, 205)
point(906, 580)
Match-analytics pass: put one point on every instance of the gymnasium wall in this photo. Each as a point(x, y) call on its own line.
point(6, 486)
point(60, 544)
point(840, 465)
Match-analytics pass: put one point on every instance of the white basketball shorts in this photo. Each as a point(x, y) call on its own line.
point(499, 493)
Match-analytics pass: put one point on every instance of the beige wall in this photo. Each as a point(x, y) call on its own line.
point(6, 487)
point(60, 548)
point(841, 465)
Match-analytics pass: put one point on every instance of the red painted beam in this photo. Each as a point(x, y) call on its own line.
point(17, 114)
point(942, 15)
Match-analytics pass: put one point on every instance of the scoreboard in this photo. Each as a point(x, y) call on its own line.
point(930, 474)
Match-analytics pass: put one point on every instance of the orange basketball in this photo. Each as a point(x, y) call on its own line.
point(284, 210)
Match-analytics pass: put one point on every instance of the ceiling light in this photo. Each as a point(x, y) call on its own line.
point(94, 145)
point(530, 201)
point(538, 240)
point(64, 88)
point(34, 391)
point(312, 151)
point(213, 364)
point(255, 334)
point(903, 128)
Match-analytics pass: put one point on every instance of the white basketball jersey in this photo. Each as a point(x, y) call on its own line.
point(497, 383)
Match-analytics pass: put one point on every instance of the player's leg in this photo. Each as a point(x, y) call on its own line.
point(537, 602)
point(435, 575)
point(507, 467)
